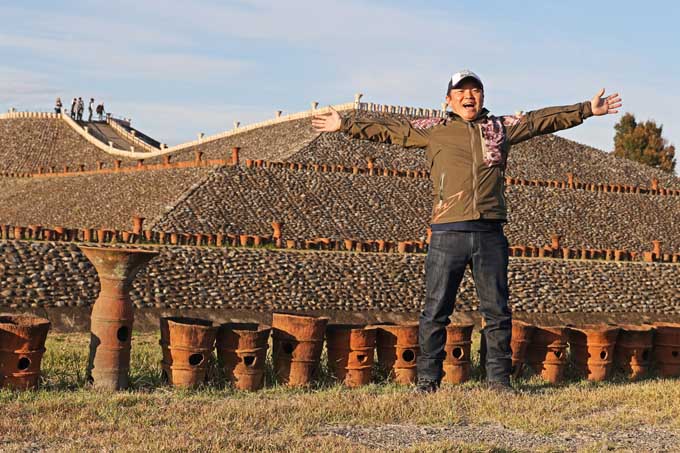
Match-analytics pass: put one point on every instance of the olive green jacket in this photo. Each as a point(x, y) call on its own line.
point(467, 159)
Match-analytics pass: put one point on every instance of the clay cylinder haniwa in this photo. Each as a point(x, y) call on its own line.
point(242, 352)
point(519, 343)
point(112, 314)
point(137, 225)
point(187, 345)
point(633, 352)
point(667, 349)
point(398, 350)
point(22, 345)
point(547, 352)
point(458, 347)
point(298, 342)
point(351, 350)
point(592, 350)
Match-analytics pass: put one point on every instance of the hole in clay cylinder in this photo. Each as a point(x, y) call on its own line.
point(362, 358)
point(674, 353)
point(195, 359)
point(249, 360)
point(288, 348)
point(603, 355)
point(558, 354)
point(123, 334)
point(24, 363)
point(457, 353)
point(645, 354)
point(408, 355)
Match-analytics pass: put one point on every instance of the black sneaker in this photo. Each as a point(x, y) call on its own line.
point(426, 386)
point(501, 387)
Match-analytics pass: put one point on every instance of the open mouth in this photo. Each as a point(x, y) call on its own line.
point(469, 106)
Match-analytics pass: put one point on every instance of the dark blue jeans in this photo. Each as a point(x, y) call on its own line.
point(449, 254)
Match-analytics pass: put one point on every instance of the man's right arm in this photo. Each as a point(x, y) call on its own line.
point(385, 130)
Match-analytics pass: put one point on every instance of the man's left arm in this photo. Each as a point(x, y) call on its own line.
point(552, 119)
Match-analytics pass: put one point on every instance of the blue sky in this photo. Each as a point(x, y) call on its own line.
point(178, 68)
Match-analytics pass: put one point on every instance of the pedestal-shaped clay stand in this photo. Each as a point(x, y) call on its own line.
point(112, 314)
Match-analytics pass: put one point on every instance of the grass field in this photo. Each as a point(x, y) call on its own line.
point(67, 415)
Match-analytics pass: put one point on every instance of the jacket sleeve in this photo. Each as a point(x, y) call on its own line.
point(386, 130)
point(545, 121)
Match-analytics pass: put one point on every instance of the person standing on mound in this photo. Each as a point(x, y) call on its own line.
point(467, 154)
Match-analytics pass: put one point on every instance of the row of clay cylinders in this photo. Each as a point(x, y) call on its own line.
point(188, 343)
point(337, 168)
point(530, 251)
point(22, 345)
point(595, 350)
point(38, 232)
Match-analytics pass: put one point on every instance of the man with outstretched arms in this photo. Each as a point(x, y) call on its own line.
point(467, 153)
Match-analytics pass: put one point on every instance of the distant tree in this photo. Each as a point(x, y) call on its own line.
point(642, 142)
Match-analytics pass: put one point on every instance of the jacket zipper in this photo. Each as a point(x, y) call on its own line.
point(474, 168)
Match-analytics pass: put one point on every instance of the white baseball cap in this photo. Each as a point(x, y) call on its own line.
point(460, 76)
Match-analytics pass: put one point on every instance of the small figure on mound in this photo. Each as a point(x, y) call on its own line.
point(100, 111)
point(74, 107)
point(90, 109)
point(57, 106)
point(80, 109)
point(467, 153)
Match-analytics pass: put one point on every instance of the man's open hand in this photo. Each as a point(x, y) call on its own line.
point(603, 106)
point(329, 122)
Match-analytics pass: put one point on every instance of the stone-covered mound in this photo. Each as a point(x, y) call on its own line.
point(94, 201)
point(311, 204)
point(42, 274)
point(26, 144)
point(340, 205)
point(547, 157)
point(598, 220)
point(273, 142)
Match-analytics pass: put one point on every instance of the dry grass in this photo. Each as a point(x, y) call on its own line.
point(66, 415)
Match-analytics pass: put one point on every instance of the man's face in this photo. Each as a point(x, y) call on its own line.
point(466, 100)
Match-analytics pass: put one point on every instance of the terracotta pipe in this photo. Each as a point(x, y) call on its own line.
point(112, 313)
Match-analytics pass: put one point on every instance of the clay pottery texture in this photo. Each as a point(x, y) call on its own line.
point(298, 343)
point(458, 347)
point(242, 353)
point(519, 343)
point(592, 350)
point(667, 349)
point(22, 345)
point(398, 350)
point(112, 314)
point(187, 345)
point(351, 351)
point(633, 352)
point(547, 352)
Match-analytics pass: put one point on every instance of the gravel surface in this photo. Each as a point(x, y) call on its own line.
point(394, 437)
point(276, 142)
point(38, 274)
point(27, 144)
point(94, 201)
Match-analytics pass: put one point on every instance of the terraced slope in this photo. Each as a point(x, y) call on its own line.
point(93, 201)
point(546, 158)
point(312, 204)
point(274, 142)
point(26, 144)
